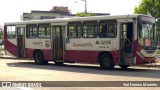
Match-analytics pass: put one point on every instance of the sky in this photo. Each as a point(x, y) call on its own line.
point(11, 10)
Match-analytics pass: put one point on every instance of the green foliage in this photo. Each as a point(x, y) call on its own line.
point(1, 35)
point(85, 14)
point(151, 7)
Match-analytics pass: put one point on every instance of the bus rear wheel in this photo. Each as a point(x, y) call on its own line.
point(124, 66)
point(39, 58)
point(106, 62)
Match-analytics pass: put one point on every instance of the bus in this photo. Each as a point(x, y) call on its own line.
point(122, 40)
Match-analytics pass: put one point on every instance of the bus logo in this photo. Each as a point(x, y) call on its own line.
point(47, 44)
point(6, 84)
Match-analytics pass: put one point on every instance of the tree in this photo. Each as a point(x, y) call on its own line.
point(151, 7)
point(60, 9)
point(85, 14)
point(1, 35)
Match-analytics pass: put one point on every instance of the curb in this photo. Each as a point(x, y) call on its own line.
point(6, 57)
point(155, 65)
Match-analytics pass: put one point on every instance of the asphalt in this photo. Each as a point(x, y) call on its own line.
point(150, 65)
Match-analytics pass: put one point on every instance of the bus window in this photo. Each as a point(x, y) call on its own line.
point(111, 30)
point(107, 29)
point(11, 32)
point(44, 30)
point(74, 29)
point(31, 31)
point(90, 29)
point(20, 30)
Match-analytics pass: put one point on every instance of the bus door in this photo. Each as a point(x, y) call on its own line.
point(58, 43)
point(126, 27)
point(21, 41)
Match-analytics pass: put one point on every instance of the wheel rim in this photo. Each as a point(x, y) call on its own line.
point(106, 62)
point(39, 57)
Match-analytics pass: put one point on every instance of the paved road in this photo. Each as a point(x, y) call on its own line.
point(25, 70)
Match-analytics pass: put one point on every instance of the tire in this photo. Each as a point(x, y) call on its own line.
point(124, 66)
point(106, 62)
point(39, 58)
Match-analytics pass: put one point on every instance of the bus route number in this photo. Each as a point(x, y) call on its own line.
point(103, 42)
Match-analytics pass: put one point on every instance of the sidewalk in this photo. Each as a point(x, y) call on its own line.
point(2, 56)
point(156, 65)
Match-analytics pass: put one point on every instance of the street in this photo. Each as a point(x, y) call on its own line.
point(27, 70)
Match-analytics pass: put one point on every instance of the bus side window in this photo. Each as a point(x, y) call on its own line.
point(111, 32)
point(44, 30)
point(103, 28)
point(31, 31)
point(71, 30)
point(90, 29)
point(104, 31)
point(107, 29)
point(11, 32)
point(74, 29)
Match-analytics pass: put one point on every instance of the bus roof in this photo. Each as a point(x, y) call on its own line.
point(59, 20)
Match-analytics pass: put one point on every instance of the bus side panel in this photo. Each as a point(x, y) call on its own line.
point(115, 56)
point(11, 49)
point(82, 56)
point(88, 56)
point(47, 54)
point(135, 50)
point(40, 44)
point(29, 53)
point(140, 59)
point(9, 44)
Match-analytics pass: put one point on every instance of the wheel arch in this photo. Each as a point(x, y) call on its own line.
point(101, 53)
point(36, 50)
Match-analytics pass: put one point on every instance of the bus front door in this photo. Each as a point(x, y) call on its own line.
point(57, 45)
point(21, 42)
point(126, 43)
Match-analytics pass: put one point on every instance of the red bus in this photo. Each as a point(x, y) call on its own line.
point(122, 40)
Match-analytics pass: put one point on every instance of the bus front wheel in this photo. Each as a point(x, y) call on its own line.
point(39, 58)
point(106, 61)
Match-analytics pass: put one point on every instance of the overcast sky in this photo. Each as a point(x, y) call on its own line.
point(11, 10)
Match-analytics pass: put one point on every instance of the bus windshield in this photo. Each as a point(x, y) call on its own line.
point(147, 34)
point(146, 31)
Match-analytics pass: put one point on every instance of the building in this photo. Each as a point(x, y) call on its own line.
point(36, 15)
point(55, 12)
